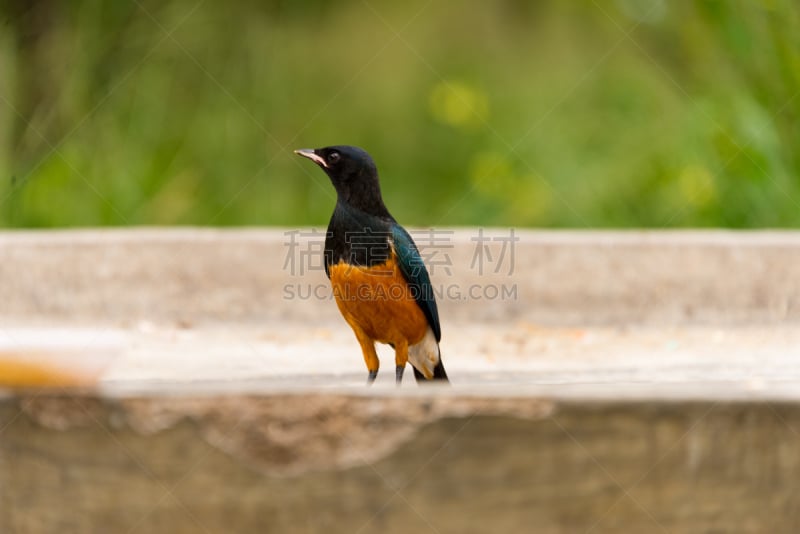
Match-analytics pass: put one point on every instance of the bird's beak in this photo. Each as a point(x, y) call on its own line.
point(312, 155)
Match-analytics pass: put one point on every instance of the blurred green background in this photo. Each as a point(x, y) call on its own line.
point(553, 113)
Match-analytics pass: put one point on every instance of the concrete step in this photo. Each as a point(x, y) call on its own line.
point(635, 382)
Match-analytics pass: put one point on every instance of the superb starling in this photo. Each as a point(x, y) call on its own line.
point(379, 280)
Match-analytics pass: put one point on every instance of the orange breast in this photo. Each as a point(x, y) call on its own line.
point(378, 301)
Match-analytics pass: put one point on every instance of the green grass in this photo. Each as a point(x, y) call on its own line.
point(547, 113)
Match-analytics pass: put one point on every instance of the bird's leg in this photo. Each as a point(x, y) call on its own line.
point(370, 356)
point(400, 359)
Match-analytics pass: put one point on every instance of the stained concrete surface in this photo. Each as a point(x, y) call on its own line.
point(637, 382)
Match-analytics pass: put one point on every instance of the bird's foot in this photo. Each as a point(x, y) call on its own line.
point(398, 373)
point(371, 377)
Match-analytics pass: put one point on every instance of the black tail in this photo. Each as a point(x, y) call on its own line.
point(438, 372)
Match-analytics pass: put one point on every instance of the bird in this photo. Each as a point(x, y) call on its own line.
point(377, 275)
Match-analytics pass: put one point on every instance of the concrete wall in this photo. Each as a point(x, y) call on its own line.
point(89, 465)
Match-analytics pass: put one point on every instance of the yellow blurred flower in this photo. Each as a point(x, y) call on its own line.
point(458, 104)
point(534, 201)
point(697, 186)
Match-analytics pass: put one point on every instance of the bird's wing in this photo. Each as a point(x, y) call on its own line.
point(416, 276)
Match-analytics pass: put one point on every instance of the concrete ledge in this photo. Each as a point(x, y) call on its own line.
point(190, 276)
point(638, 382)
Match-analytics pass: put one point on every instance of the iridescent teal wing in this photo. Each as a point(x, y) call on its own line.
point(416, 275)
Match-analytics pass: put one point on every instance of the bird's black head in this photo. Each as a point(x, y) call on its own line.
point(353, 174)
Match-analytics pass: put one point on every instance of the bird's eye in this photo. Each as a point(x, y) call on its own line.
point(334, 157)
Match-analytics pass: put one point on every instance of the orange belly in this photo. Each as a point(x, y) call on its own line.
point(378, 301)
